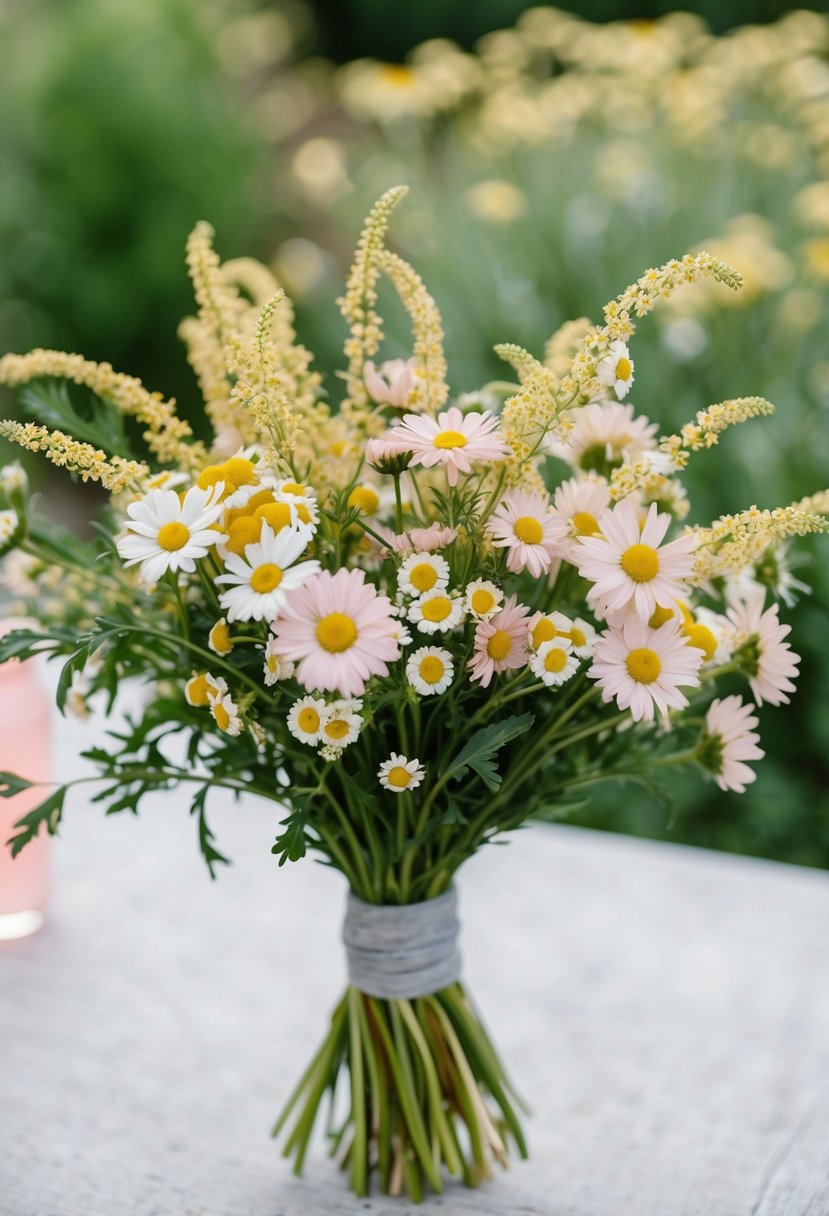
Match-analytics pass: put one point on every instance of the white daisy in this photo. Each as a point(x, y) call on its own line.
point(554, 662)
point(260, 582)
point(225, 713)
point(275, 666)
point(430, 670)
point(616, 369)
point(543, 627)
point(421, 572)
point(643, 668)
point(482, 599)
point(398, 774)
point(720, 628)
point(603, 435)
point(436, 612)
point(583, 636)
point(167, 533)
point(729, 739)
point(305, 719)
point(578, 503)
point(201, 687)
point(769, 662)
point(341, 723)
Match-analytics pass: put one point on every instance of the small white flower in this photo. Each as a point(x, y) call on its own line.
point(341, 724)
point(218, 640)
point(436, 612)
point(403, 635)
point(482, 599)
point(201, 687)
point(398, 774)
point(616, 369)
point(260, 582)
point(554, 662)
point(305, 720)
point(430, 670)
point(422, 572)
point(543, 627)
point(583, 636)
point(225, 713)
point(9, 523)
point(166, 533)
point(275, 666)
point(13, 479)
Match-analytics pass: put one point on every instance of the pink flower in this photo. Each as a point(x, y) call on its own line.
point(728, 740)
point(628, 567)
point(452, 439)
point(424, 540)
point(339, 630)
point(643, 667)
point(525, 525)
point(392, 382)
point(770, 662)
point(386, 456)
point(500, 643)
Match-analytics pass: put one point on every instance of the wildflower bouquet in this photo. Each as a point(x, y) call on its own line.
point(410, 622)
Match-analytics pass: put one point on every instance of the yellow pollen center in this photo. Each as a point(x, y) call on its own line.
point(277, 515)
point(243, 532)
point(482, 601)
point(544, 631)
point(397, 74)
point(499, 645)
point(643, 665)
point(437, 609)
point(308, 720)
point(197, 689)
point(623, 369)
point(702, 638)
point(266, 578)
point(423, 576)
point(220, 638)
point(585, 523)
point(221, 716)
point(659, 617)
point(173, 536)
point(450, 439)
point(337, 728)
point(293, 487)
point(364, 499)
point(528, 530)
point(577, 637)
point(336, 632)
point(555, 660)
point(239, 471)
point(399, 777)
point(640, 562)
point(432, 669)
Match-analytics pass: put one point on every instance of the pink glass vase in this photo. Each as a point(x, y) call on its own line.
point(24, 749)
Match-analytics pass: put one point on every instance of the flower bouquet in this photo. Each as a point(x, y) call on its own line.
point(412, 623)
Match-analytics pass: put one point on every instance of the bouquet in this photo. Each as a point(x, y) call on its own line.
point(413, 623)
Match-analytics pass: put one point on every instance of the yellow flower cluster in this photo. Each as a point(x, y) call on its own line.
point(561, 347)
point(427, 328)
point(710, 424)
point(525, 364)
point(734, 542)
point(115, 474)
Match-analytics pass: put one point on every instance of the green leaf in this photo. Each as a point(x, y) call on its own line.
point(49, 402)
point(290, 844)
point(480, 749)
point(206, 838)
point(11, 784)
point(48, 813)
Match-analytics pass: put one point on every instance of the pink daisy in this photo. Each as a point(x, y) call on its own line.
point(729, 739)
point(526, 526)
point(604, 434)
point(578, 503)
point(770, 663)
point(452, 439)
point(339, 630)
point(391, 382)
point(643, 667)
point(628, 567)
point(500, 643)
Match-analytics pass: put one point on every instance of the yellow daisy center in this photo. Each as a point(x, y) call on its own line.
point(293, 487)
point(499, 645)
point(221, 716)
point(337, 728)
point(399, 777)
point(643, 665)
point(364, 499)
point(336, 632)
point(437, 609)
point(197, 689)
point(173, 536)
point(555, 660)
point(543, 632)
point(585, 523)
point(577, 636)
point(277, 515)
point(243, 532)
point(528, 530)
point(399, 75)
point(623, 369)
point(308, 720)
point(266, 578)
point(423, 576)
point(659, 616)
point(482, 601)
point(432, 669)
point(239, 471)
point(219, 638)
point(640, 562)
point(702, 638)
point(450, 439)
point(211, 475)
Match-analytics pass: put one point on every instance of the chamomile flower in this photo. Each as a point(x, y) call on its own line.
point(365, 499)
point(403, 634)
point(305, 719)
point(583, 636)
point(165, 532)
point(526, 526)
point(218, 640)
point(554, 662)
point(543, 627)
point(422, 572)
point(235, 480)
point(769, 662)
point(341, 723)
point(436, 612)
point(225, 712)
point(720, 628)
point(9, 525)
point(578, 503)
point(616, 369)
point(260, 581)
point(483, 599)
point(500, 643)
point(430, 670)
point(452, 439)
point(729, 739)
point(398, 774)
point(630, 567)
point(643, 668)
point(201, 687)
point(275, 666)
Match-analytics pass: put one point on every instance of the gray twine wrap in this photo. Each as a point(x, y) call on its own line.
point(403, 950)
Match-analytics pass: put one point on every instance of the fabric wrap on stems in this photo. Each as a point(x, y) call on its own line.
point(403, 950)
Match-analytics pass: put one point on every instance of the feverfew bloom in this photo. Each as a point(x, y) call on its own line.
point(398, 774)
point(643, 667)
point(166, 533)
point(423, 572)
point(729, 739)
point(305, 720)
point(391, 383)
point(201, 687)
point(500, 643)
point(341, 724)
point(260, 581)
point(339, 631)
point(583, 637)
point(452, 439)
point(526, 526)
point(605, 434)
point(578, 503)
point(616, 369)
point(554, 662)
point(483, 599)
point(218, 640)
point(430, 670)
point(436, 612)
point(225, 713)
point(769, 662)
point(9, 523)
point(543, 627)
point(275, 666)
point(628, 567)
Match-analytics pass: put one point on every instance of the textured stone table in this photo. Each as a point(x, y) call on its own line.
point(665, 1011)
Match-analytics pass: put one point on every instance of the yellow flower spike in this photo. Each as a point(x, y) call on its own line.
point(218, 639)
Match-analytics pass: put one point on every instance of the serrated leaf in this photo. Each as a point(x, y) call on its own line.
point(11, 784)
point(290, 845)
point(48, 813)
point(479, 750)
point(49, 402)
point(209, 852)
